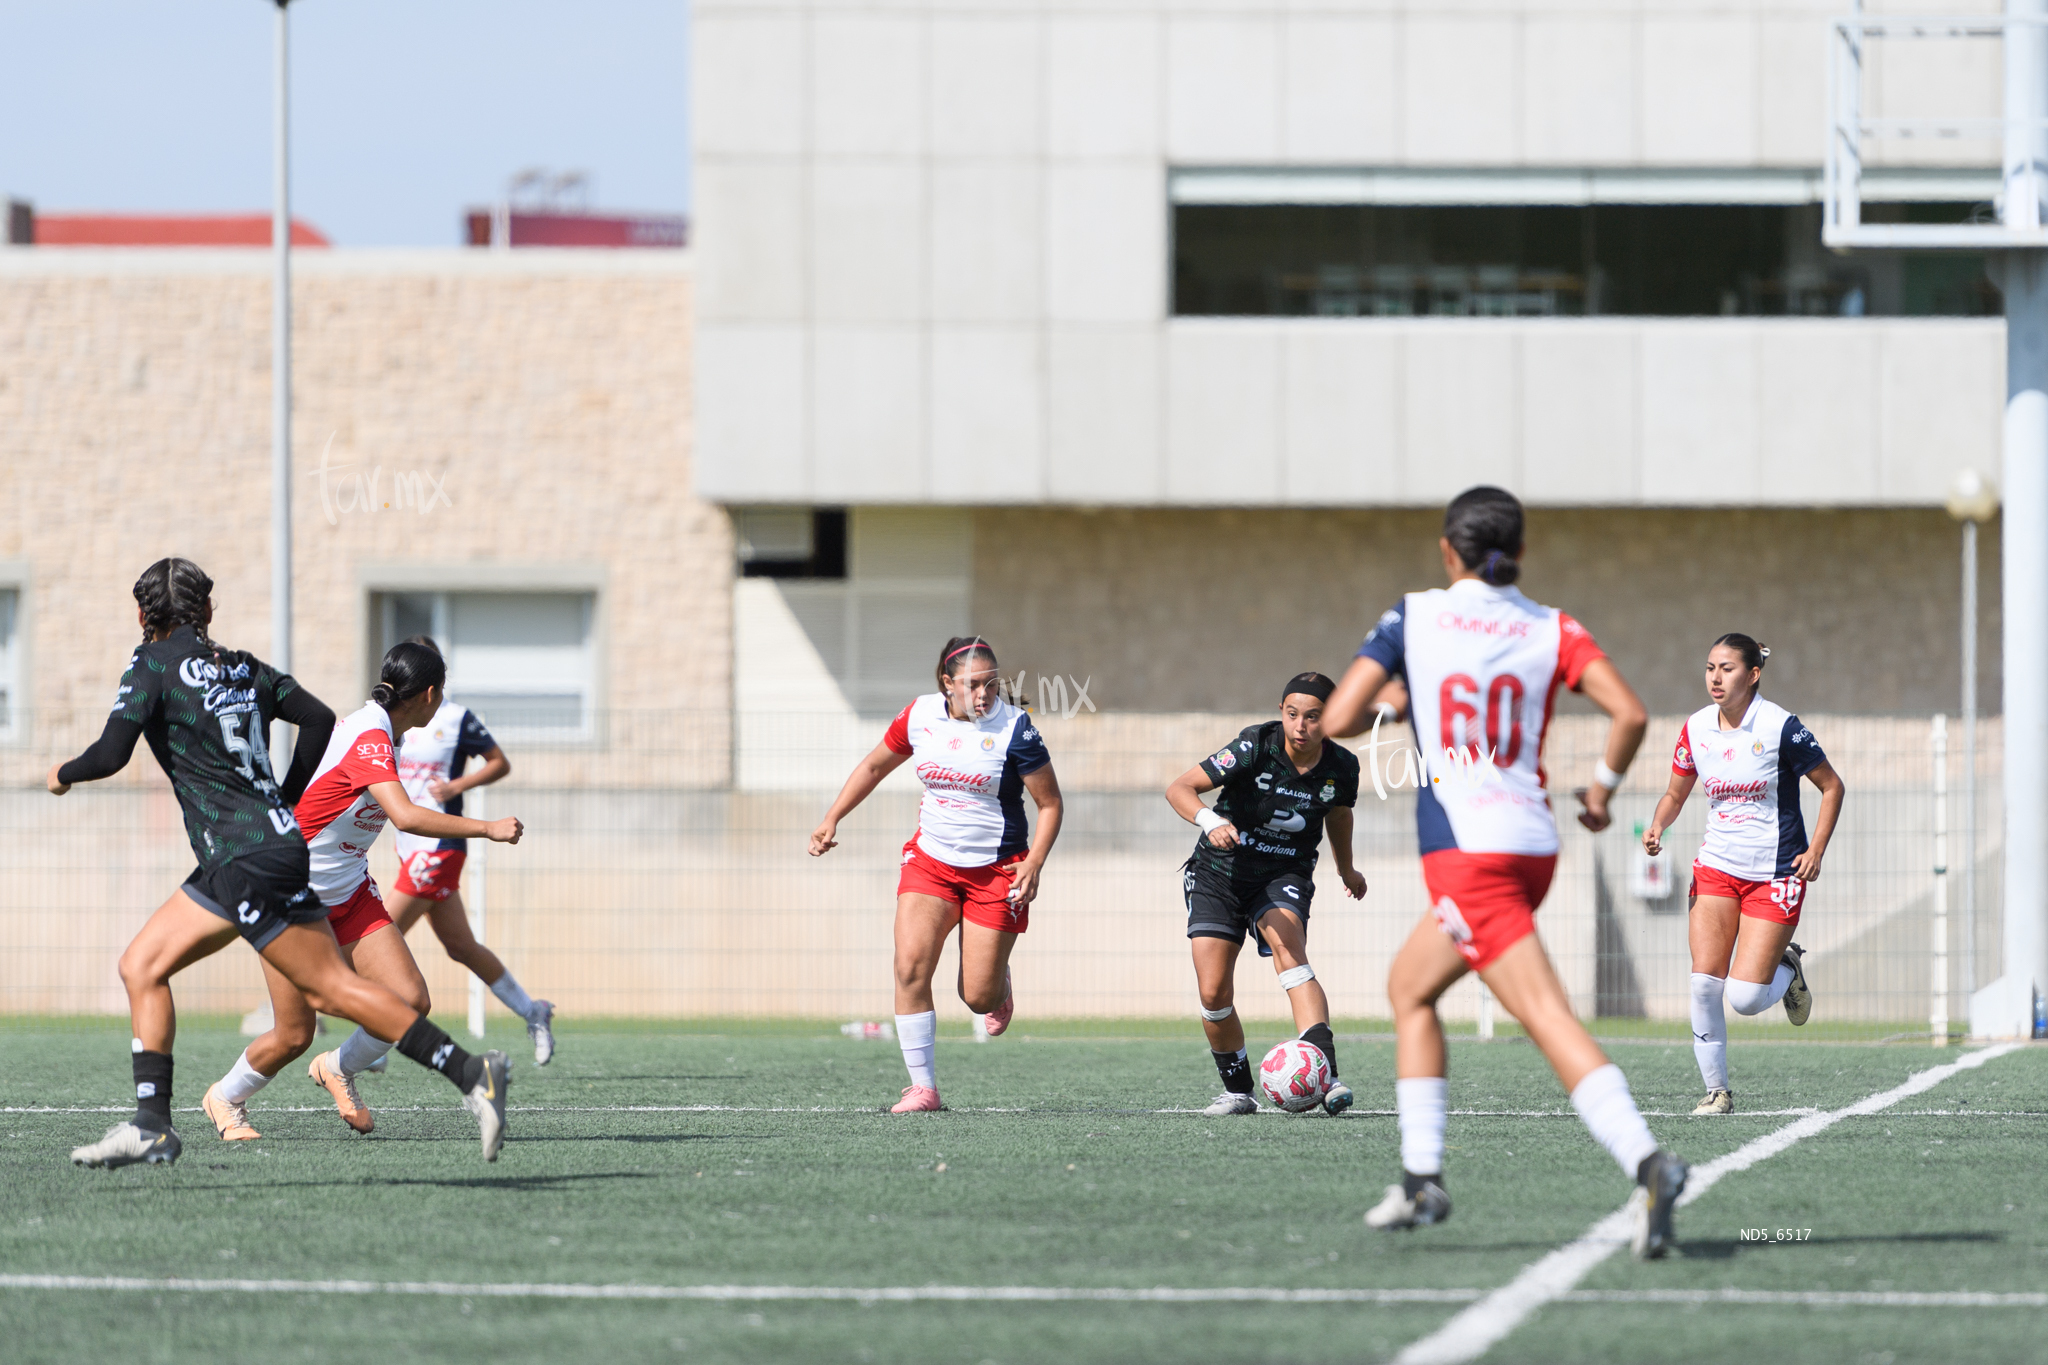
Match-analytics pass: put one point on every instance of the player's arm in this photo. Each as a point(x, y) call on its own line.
point(1337, 825)
point(1184, 794)
point(494, 768)
point(297, 706)
point(107, 756)
point(1668, 806)
point(860, 783)
point(434, 824)
point(1045, 791)
point(1350, 708)
point(1602, 684)
point(1806, 866)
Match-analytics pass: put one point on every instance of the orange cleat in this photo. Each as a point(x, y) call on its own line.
point(354, 1112)
point(231, 1121)
point(918, 1099)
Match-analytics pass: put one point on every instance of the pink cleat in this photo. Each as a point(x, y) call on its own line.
point(918, 1099)
point(998, 1019)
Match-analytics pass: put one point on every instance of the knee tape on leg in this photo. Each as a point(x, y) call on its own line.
point(1297, 976)
point(1218, 1016)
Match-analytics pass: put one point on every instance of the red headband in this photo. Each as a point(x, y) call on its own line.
point(978, 644)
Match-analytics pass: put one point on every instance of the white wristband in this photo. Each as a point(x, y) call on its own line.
point(1208, 819)
point(1606, 776)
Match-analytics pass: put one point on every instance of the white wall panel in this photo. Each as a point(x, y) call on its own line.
point(1102, 86)
point(1340, 412)
point(1460, 410)
point(1817, 397)
point(1578, 90)
point(1792, 91)
point(1578, 414)
point(1223, 413)
point(1699, 90)
point(867, 405)
point(987, 231)
point(1104, 437)
point(1340, 88)
point(1105, 242)
point(985, 82)
point(747, 94)
point(1941, 391)
point(1223, 90)
point(867, 85)
point(751, 396)
point(1459, 89)
point(1699, 414)
point(867, 242)
point(750, 222)
point(987, 415)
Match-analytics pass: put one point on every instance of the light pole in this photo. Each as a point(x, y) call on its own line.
point(1972, 500)
point(281, 370)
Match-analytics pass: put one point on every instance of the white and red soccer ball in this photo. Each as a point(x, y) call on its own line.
point(1294, 1076)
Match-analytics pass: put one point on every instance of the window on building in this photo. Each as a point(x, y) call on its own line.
point(10, 663)
point(791, 542)
point(521, 660)
point(1642, 260)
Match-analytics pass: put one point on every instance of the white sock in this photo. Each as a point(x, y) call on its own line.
point(357, 1051)
point(1754, 997)
point(1420, 1100)
point(513, 994)
point(1606, 1107)
point(1710, 1030)
point(242, 1081)
point(915, 1034)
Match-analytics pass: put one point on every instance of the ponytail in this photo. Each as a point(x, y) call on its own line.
point(409, 669)
point(1484, 525)
point(1753, 654)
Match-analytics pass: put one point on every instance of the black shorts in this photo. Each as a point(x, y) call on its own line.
point(1231, 907)
point(259, 893)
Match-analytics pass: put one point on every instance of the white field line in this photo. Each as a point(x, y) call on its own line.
point(1799, 1112)
point(762, 1293)
point(1474, 1331)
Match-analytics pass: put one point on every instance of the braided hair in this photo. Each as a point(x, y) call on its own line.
point(174, 592)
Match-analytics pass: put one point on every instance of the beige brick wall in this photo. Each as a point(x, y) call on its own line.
point(1212, 610)
point(550, 395)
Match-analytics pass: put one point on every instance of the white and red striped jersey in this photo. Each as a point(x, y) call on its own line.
point(338, 815)
point(1483, 665)
point(1751, 777)
point(973, 773)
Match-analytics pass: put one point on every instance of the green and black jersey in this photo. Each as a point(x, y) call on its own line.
point(206, 712)
point(1277, 810)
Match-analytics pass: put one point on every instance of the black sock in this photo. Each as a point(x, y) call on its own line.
point(1322, 1038)
point(1411, 1184)
point(1645, 1166)
point(1236, 1070)
point(153, 1089)
point(427, 1044)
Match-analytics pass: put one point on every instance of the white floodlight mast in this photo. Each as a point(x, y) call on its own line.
point(281, 372)
point(2009, 1005)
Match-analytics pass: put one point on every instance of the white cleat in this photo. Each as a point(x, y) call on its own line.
point(1716, 1102)
point(1399, 1210)
point(540, 1026)
point(1337, 1098)
point(127, 1143)
point(486, 1100)
point(1229, 1103)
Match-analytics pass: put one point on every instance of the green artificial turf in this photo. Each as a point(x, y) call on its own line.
point(1058, 1171)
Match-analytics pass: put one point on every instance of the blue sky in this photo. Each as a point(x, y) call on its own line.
point(404, 111)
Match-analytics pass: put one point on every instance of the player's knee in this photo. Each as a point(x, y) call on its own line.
point(1748, 997)
point(293, 1035)
point(1218, 1000)
point(418, 997)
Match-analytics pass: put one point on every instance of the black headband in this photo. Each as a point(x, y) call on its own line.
point(1312, 684)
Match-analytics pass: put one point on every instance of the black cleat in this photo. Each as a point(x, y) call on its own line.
point(128, 1142)
point(1417, 1201)
point(1798, 995)
point(1659, 1182)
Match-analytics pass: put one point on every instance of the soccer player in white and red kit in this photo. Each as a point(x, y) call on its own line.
point(974, 862)
point(1749, 881)
point(354, 792)
point(1483, 664)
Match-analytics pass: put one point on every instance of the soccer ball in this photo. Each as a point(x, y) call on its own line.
point(1294, 1076)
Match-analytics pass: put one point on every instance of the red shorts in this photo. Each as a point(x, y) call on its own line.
point(1777, 901)
point(360, 915)
point(432, 874)
point(982, 893)
point(1486, 902)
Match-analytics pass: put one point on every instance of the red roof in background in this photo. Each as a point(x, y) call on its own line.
point(166, 229)
point(547, 228)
